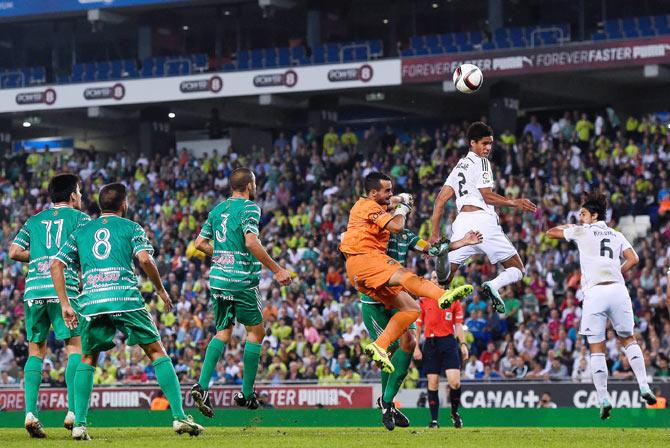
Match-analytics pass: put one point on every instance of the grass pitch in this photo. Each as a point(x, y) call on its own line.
point(348, 437)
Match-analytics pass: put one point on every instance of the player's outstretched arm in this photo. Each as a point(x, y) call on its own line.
point(630, 260)
point(204, 245)
point(254, 245)
point(149, 266)
point(58, 278)
point(493, 198)
point(18, 253)
point(445, 194)
point(557, 233)
point(471, 238)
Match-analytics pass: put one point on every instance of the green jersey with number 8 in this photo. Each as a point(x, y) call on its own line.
point(43, 234)
point(104, 250)
point(234, 268)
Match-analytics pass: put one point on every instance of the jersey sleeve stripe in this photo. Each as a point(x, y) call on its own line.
point(23, 244)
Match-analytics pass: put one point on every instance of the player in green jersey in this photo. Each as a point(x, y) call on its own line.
point(37, 243)
point(104, 250)
point(230, 237)
point(376, 317)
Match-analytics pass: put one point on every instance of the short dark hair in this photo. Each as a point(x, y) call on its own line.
point(240, 178)
point(596, 202)
point(111, 197)
point(478, 130)
point(61, 186)
point(373, 181)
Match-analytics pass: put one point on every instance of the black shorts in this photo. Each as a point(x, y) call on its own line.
point(440, 354)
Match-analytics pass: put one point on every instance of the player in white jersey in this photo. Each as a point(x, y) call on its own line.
point(605, 293)
point(471, 181)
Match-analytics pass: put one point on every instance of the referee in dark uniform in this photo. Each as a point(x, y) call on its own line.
point(443, 349)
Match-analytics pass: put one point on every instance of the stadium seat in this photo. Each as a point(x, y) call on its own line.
point(116, 69)
point(200, 62)
point(257, 59)
point(437, 50)
point(284, 57)
point(361, 53)
point(348, 54)
point(38, 75)
point(147, 68)
point(476, 37)
point(416, 42)
point(332, 52)
point(229, 67)
point(516, 37)
point(159, 66)
point(488, 46)
point(102, 70)
point(466, 47)
point(599, 36)
point(447, 39)
point(89, 72)
point(270, 57)
point(661, 24)
point(376, 48)
point(461, 39)
point(130, 69)
point(407, 53)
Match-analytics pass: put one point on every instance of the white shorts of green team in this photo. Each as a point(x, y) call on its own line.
point(496, 246)
point(602, 303)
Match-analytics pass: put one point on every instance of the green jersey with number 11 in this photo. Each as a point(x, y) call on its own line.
point(104, 250)
point(44, 234)
point(234, 268)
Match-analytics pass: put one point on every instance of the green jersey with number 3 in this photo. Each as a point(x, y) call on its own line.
point(104, 250)
point(43, 234)
point(234, 268)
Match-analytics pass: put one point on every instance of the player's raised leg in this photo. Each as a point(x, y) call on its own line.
point(408, 311)
point(512, 273)
point(421, 287)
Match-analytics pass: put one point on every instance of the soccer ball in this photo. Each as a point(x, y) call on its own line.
point(468, 78)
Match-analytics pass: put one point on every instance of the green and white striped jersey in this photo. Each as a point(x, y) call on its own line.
point(104, 249)
point(43, 234)
point(234, 268)
point(398, 247)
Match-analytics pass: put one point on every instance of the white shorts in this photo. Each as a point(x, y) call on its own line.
point(495, 245)
point(603, 303)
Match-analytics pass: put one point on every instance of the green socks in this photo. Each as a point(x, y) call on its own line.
point(212, 356)
point(400, 360)
point(167, 380)
point(252, 354)
point(385, 381)
point(32, 377)
point(83, 385)
point(70, 371)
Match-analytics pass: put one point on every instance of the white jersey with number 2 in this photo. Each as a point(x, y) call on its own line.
point(468, 176)
point(600, 252)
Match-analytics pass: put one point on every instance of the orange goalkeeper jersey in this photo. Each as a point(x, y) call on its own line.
point(366, 231)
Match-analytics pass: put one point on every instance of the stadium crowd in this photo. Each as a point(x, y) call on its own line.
point(306, 184)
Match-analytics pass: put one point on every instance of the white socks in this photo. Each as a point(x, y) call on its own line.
point(599, 374)
point(636, 361)
point(506, 277)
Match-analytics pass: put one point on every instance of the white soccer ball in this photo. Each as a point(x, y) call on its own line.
point(468, 78)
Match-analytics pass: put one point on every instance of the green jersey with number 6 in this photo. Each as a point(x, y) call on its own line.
point(104, 250)
point(43, 234)
point(234, 268)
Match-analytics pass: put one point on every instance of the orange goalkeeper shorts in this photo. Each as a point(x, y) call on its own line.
point(370, 273)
